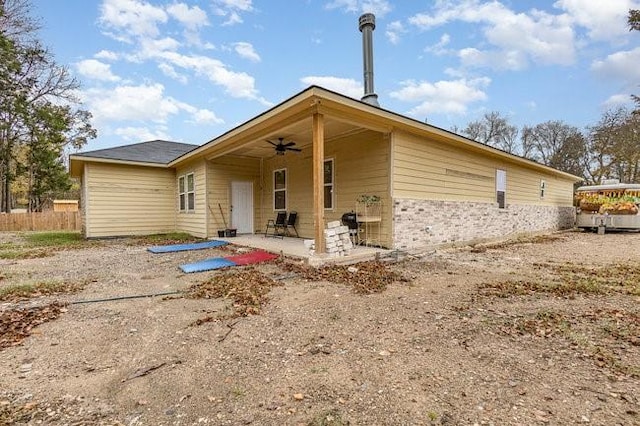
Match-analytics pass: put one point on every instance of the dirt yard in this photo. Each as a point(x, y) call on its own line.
point(540, 331)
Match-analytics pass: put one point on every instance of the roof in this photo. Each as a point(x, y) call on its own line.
point(156, 152)
point(349, 110)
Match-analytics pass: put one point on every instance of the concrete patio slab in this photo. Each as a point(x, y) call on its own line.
point(294, 247)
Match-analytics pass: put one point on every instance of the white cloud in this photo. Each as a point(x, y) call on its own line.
point(138, 21)
point(236, 84)
point(536, 35)
point(131, 18)
point(394, 31)
point(190, 17)
point(497, 59)
point(377, 7)
point(96, 70)
point(139, 134)
point(604, 20)
point(623, 64)
point(443, 96)
point(171, 72)
point(246, 51)
point(204, 116)
point(231, 9)
point(151, 47)
point(243, 5)
point(440, 47)
point(345, 86)
point(145, 102)
point(617, 100)
point(106, 55)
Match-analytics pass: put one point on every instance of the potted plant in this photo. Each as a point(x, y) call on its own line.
point(368, 200)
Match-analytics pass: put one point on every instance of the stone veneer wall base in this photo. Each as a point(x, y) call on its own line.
point(426, 223)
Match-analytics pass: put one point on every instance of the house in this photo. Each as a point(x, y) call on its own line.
point(434, 186)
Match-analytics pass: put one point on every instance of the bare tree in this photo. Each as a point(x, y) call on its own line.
point(555, 144)
point(615, 142)
point(634, 24)
point(493, 129)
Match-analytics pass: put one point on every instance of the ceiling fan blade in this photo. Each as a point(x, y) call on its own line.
point(294, 149)
point(289, 144)
point(274, 144)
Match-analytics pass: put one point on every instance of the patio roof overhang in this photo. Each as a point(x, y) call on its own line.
point(292, 120)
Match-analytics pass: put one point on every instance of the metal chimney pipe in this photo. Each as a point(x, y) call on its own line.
point(366, 25)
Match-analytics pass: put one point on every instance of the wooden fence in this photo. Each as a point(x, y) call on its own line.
point(45, 221)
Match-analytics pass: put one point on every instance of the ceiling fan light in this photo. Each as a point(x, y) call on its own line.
point(279, 152)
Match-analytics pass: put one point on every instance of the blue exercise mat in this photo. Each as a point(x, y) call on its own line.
point(186, 247)
point(207, 265)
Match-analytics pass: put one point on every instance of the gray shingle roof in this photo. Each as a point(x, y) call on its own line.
point(159, 152)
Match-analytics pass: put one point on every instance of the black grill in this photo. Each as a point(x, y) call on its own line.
point(349, 219)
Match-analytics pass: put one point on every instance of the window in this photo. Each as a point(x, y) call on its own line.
point(328, 184)
point(501, 188)
point(186, 193)
point(280, 189)
point(542, 188)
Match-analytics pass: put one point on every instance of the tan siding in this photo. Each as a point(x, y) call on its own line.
point(361, 163)
point(128, 200)
point(220, 173)
point(424, 169)
point(194, 223)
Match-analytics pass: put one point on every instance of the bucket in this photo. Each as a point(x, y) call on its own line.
point(221, 233)
point(229, 232)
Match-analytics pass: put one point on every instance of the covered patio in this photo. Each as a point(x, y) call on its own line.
point(340, 155)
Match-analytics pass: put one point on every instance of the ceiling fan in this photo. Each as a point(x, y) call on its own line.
point(282, 147)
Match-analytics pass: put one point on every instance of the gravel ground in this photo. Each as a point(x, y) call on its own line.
point(450, 344)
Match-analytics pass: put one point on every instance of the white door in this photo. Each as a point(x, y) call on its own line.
point(242, 206)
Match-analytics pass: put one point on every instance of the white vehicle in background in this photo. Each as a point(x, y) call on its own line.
point(612, 205)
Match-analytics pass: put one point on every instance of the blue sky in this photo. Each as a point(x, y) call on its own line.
point(188, 70)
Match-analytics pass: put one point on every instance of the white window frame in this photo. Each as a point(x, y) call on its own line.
point(184, 193)
point(280, 190)
point(501, 186)
point(332, 184)
point(543, 188)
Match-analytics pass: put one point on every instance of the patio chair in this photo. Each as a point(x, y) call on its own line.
point(279, 226)
point(291, 223)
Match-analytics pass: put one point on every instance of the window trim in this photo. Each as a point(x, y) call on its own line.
point(183, 191)
point(332, 184)
point(284, 169)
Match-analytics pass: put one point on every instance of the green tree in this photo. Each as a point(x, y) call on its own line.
point(31, 83)
point(51, 128)
point(634, 20)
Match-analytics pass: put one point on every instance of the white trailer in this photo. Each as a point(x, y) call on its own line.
point(609, 206)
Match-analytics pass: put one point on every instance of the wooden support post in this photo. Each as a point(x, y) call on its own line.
point(318, 181)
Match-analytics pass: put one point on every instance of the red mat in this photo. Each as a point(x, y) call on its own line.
point(253, 257)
